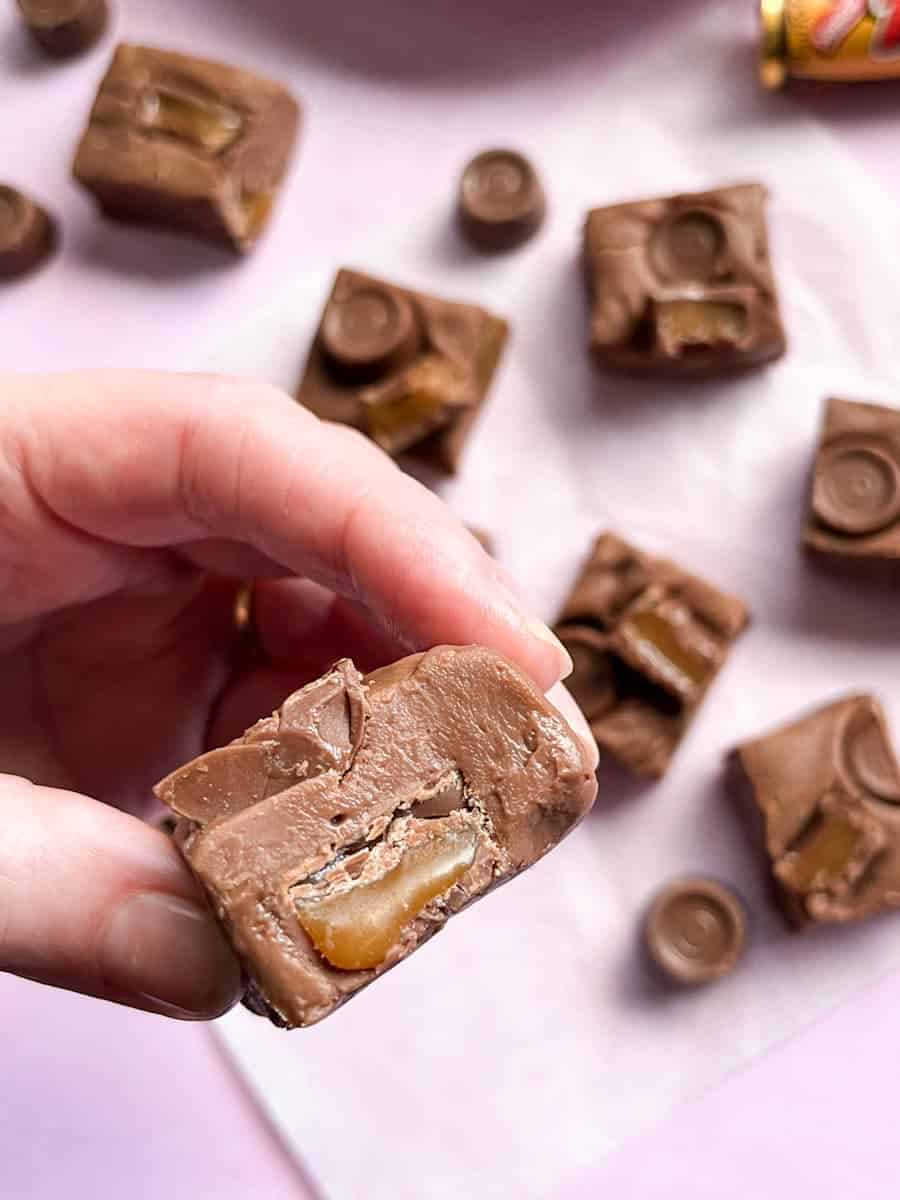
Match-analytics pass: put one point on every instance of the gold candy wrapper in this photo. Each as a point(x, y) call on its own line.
point(845, 40)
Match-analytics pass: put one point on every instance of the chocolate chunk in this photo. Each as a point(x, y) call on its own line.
point(63, 28)
point(826, 792)
point(338, 835)
point(683, 285)
point(854, 512)
point(695, 931)
point(187, 145)
point(409, 370)
point(27, 234)
point(647, 640)
point(501, 201)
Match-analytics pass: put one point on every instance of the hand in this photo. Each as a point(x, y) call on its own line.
point(131, 508)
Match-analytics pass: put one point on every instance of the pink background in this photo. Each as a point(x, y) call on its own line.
point(396, 91)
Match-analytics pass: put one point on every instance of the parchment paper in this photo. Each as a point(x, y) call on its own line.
point(528, 1033)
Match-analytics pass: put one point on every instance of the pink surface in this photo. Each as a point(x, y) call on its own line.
point(89, 1088)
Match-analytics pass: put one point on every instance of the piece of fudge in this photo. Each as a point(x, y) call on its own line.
point(647, 640)
point(188, 145)
point(683, 285)
point(825, 790)
point(339, 834)
point(854, 507)
point(408, 369)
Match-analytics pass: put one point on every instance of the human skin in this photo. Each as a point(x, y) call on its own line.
point(133, 507)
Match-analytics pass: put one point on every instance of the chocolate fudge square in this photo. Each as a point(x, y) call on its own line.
point(187, 145)
point(647, 640)
point(410, 370)
point(854, 507)
point(825, 791)
point(336, 836)
point(683, 285)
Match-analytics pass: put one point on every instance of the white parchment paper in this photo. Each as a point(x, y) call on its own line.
point(527, 1034)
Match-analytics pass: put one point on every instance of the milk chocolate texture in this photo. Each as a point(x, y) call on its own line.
point(63, 28)
point(408, 369)
point(854, 503)
point(339, 834)
point(500, 203)
point(27, 234)
point(825, 790)
point(187, 145)
point(683, 285)
point(647, 640)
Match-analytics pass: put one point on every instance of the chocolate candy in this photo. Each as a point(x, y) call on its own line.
point(408, 369)
point(826, 792)
point(501, 201)
point(683, 285)
point(27, 234)
point(695, 931)
point(854, 512)
point(647, 640)
point(339, 834)
point(187, 145)
point(63, 28)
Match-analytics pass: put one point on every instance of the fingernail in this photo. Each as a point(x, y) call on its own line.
point(561, 698)
point(540, 630)
point(171, 955)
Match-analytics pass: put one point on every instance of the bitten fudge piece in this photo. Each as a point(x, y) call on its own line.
point(339, 834)
point(683, 285)
point(826, 790)
point(408, 369)
point(188, 145)
point(854, 508)
point(647, 640)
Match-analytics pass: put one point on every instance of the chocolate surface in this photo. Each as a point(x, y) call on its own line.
point(338, 835)
point(683, 285)
point(695, 931)
point(63, 28)
point(854, 508)
point(826, 790)
point(27, 234)
point(408, 369)
point(501, 202)
point(187, 145)
point(647, 640)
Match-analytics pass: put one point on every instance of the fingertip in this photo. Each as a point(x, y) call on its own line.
point(562, 700)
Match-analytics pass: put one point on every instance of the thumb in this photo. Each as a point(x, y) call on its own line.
point(95, 901)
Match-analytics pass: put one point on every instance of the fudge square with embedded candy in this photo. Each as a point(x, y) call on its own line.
point(683, 285)
point(336, 836)
point(854, 508)
point(408, 369)
point(647, 639)
point(188, 145)
point(826, 791)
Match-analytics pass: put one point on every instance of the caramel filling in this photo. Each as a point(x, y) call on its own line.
point(201, 121)
point(699, 323)
point(655, 640)
point(823, 854)
point(355, 929)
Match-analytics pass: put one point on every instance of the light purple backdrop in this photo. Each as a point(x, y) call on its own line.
point(394, 90)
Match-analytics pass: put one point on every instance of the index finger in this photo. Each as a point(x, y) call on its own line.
point(151, 460)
